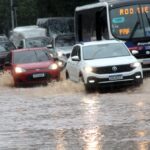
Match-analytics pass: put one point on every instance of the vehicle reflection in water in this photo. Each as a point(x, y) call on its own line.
point(140, 104)
point(143, 146)
point(92, 139)
point(92, 136)
point(141, 133)
point(60, 140)
point(140, 115)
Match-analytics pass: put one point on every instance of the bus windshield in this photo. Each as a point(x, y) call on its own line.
point(61, 26)
point(130, 22)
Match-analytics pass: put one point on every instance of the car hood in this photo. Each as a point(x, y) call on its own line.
point(38, 65)
point(3, 54)
point(64, 50)
point(111, 61)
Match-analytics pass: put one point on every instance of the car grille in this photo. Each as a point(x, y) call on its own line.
point(36, 69)
point(112, 69)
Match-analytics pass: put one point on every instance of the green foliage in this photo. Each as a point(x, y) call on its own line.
point(4, 16)
point(27, 11)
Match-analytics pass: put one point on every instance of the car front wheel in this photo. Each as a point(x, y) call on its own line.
point(138, 82)
point(89, 87)
point(67, 75)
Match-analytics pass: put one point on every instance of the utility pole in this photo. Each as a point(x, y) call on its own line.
point(12, 13)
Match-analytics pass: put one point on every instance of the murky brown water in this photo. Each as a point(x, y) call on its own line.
point(62, 116)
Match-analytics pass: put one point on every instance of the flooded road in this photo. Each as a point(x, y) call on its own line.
point(62, 116)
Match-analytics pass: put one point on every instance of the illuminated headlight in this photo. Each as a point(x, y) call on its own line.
point(53, 67)
point(59, 54)
point(19, 70)
point(135, 65)
point(60, 63)
point(88, 69)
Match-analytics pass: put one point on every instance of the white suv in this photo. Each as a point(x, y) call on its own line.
point(103, 63)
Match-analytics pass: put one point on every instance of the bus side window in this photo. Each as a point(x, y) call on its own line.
point(79, 27)
point(101, 25)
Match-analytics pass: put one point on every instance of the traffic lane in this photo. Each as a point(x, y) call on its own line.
point(40, 118)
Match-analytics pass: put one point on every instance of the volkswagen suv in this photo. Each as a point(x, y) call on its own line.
point(101, 63)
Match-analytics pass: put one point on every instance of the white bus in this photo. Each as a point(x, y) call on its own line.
point(57, 25)
point(126, 20)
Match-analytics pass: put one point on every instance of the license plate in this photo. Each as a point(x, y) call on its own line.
point(39, 75)
point(115, 77)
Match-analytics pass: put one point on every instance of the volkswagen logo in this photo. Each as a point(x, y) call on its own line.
point(114, 68)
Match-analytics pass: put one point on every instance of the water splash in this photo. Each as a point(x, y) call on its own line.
point(6, 80)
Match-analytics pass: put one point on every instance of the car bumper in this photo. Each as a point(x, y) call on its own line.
point(145, 64)
point(36, 77)
point(126, 78)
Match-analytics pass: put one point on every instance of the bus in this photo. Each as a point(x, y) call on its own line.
point(126, 20)
point(57, 25)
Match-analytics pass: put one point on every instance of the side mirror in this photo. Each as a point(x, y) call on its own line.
point(75, 58)
point(134, 52)
point(20, 47)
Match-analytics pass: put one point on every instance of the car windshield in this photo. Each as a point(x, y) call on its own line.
point(7, 46)
point(2, 49)
point(3, 38)
point(31, 56)
point(37, 42)
point(105, 51)
point(64, 41)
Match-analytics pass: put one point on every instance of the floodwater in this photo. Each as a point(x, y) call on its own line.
point(62, 116)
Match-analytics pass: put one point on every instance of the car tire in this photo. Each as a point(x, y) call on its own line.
point(138, 82)
point(89, 87)
point(58, 79)
point(16, 84)
point(67, 75)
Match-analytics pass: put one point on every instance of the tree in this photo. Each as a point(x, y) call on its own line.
point(5, 16)
point(27, 11)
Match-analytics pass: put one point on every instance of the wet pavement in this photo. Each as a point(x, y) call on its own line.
point(62, 116)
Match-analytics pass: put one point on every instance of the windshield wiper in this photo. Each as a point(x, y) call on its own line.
point(135, 26)
point(148, 19)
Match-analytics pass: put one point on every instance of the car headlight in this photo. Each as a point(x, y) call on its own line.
point(60, 54)
point(88, 69)
point(135, 65)
point(19, 70)
point(60, 63)
point(53, 67)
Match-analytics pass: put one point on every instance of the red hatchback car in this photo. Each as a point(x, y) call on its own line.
point(30, 66)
